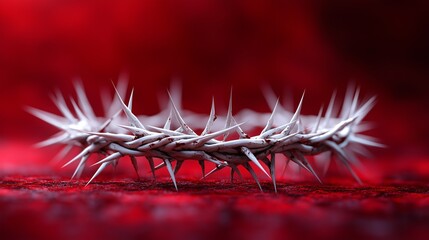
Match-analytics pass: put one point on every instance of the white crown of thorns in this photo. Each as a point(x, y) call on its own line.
point(168, 137)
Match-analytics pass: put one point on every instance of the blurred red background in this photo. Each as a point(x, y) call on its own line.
point(210, 46)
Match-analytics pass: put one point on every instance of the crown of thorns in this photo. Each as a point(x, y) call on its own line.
point(168, 137)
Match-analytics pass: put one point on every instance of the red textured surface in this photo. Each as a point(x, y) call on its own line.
point(123, 209)
point(211, 46)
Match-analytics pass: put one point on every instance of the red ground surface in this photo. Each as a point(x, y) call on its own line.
point(54, 208)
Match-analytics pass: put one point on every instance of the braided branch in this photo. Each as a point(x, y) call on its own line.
point(295, 138)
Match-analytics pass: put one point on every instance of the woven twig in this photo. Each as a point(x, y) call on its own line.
point(290, 134)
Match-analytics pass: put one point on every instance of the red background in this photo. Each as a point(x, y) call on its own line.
point(210, 46)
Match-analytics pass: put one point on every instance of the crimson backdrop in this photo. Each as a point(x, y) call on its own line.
point(213, 45)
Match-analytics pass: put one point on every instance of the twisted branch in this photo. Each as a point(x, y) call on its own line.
point(290, 134)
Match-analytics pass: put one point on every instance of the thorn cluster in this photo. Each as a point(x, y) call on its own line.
point(289, 134)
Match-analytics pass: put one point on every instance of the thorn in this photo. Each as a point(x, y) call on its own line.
point(354, 103)
point(159, 166)
point(165, 131)
point(217, 168)
point(228, 121)
point(77, 173)
point(270, 96)
point(112, 157)
point(364, 109)
point(130, 100)
point(273, 131)
point(250, 169)
point(62, 153)
point(176, 92)
point(210, 121)
point(329, 110)
point(319, 117)
point(85, 151)
point(83, 101)
point(347, 102)
point(113, 105)
point(273, 170)
point(235, 167)
point(108, 121)
point(343, 157)
point(307, 165)
point(59, 101)
point(295, 116)
point(54, 120)
point(179, 118)
point(240, 131)
point(271, 119)
point(99, 170)
point(135, 165)
point(252, 157)
point(152, 166)
point(357, 138)
point(203, 167)
point(178, 166)
point(167, 124)
point(135, 122)
point(286, 165)
point(170, 171)
point(78, 111)
point(135, 130)
point(57, 138)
